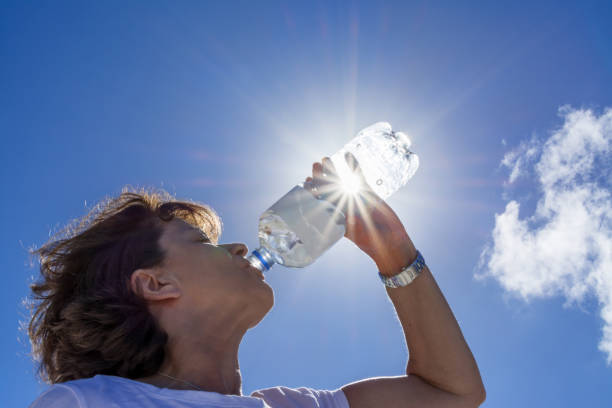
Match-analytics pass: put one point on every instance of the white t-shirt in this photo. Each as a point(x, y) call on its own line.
point(103, 391)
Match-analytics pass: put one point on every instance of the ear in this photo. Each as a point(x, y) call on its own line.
point(151, 285)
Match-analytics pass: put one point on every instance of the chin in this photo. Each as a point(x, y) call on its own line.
point(262, 304)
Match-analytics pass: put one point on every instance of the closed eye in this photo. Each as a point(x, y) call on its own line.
point(202, 237)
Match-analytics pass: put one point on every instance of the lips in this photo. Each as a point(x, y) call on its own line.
point(258, 272)
point(248, 265)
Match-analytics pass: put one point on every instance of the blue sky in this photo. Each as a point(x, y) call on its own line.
point(229, 103)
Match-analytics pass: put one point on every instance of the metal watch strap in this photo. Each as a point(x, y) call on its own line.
point(406, 275)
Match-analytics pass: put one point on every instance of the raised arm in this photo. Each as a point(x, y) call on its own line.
point(441, 371)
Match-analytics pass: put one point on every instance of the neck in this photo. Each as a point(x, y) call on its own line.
point(202, 347)
point(209, 364)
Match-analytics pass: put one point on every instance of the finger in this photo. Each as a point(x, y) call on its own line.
point(366, 190)
point(328, 167)
point(323, 175)
point(320, 191)
point(317, 170)
point(320, 183)
point(318, 178)
point(351, 160)
point(308, 179)
point(353, 164)
point(308, 185)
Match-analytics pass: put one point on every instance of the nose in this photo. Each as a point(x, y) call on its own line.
point(237, 249)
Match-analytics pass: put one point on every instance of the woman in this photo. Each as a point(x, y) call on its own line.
point(139, 306)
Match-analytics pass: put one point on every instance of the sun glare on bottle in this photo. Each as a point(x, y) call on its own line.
point(351, 184)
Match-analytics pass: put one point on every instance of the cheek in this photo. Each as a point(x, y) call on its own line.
point(205, 257)
point(213, 256)
point(212, 273)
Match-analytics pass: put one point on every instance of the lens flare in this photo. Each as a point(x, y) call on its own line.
point(351, 184)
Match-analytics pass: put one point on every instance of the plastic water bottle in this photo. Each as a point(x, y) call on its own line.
point(299, 228)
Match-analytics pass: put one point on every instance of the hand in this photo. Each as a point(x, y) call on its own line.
point(370, 223)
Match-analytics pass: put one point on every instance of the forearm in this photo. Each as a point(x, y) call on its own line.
point(438, 353)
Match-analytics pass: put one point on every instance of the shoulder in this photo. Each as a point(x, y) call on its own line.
point(302, 397)
point(58, 395)
point(86, 393)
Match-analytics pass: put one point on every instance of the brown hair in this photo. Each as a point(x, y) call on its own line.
point(86, 320)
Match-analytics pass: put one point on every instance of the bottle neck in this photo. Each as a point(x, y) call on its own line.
point(261, 259)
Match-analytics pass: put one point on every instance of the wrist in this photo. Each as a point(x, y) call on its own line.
point(391, 260)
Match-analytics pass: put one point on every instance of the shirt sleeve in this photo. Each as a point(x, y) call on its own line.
point(283, 397)
point(58, 396)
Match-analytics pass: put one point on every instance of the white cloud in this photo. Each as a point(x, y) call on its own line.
point(565, 247)
point(520, 157)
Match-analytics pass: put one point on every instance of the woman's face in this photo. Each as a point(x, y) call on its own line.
point(214, 280)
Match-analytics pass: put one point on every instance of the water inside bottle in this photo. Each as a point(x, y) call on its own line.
point(298, 228)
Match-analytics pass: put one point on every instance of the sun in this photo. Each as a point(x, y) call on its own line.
point(351, 184)
point(348, 181)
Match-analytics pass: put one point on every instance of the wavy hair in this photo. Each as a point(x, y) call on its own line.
point(86, 320)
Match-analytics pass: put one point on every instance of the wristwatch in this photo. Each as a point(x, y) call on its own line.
point(406, 275)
